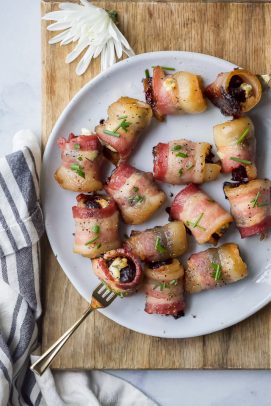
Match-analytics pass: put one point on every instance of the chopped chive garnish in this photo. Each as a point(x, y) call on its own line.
point(76, 146)
point(255, 201)
point(91, 241)
point(176, 148)
point(164, 285)
point(180, 172)
point(123, 124)
point(173, 282)
point(182, 155)
point(242, 136)
point(135, 189)
point(217, 274)
point(98, 245)
point(190, 167)
point(96, 229)
point(165, 67)
point(78, 170)
point(196, 222)
point(159, 246)
point(122, 117)
point(108, 132)
point(242, 161)
point(136, 199)
point(147, 73)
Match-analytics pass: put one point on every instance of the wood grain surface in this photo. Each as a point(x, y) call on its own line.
point(240, 33)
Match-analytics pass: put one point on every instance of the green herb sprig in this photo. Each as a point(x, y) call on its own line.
point(242, 161)
point(78, 170)
point(195, 223)
point(242, 136)
point(159, 247)
point(255, 202)
point(217, 274)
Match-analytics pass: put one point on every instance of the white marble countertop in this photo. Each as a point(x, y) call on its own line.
point(20, 107)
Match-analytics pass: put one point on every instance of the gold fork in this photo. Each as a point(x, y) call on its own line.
point(265, 80)
point(101, 297)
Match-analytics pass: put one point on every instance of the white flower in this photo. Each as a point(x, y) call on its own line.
point(94, 30)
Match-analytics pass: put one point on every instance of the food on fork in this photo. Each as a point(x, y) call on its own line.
point(127, 118)
point(235, 92)
point(183, 161)
point(178, 93)
point(135, 192)
point(96, 225)
point(213, 268)
point(236, 148)
point(120, 270)
point(81, 163)
point(250, 206)
point(204, 217)
point(164, 288)
point(158, 243)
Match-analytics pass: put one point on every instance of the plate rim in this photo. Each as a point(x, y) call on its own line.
point(147, 55)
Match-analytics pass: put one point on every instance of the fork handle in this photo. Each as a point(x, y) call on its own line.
point(40, 366)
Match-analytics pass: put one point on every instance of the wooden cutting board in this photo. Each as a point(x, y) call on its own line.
point(240, 33)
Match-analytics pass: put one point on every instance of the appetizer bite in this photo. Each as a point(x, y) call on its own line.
point(158, 243)
point(204, 217)
point(96, 225)
point(183, 161)
point(213, 268)
point(250, 206)
point(127, 118)
point(173, 94)
point(164, 288)
point(235, 92)
point(135, 192)
point(81, 163)
point(236, 147)
point(120, 270)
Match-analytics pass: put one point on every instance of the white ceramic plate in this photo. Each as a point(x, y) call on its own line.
point(208, 311)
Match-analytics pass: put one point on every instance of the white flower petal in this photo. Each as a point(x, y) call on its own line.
point(59, 26)
point(76, 52)
point(118, 49)
point(85, 61)
point(57, 38)
point(54, 15)
point(69, 6)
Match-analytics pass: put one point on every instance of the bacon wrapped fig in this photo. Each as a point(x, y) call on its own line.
point(204, 217)
point(173, 94)
point(127, 118)
point(236, 147)
point(184, 161)
point(96, 225)
point(81, 163)
point(158, 243)
point(135, 192)
point(120, 270)
point(235, 92)
point(213, 268)
point(164, 288)
point(250, 206)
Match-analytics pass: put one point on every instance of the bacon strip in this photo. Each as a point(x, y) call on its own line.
point(81, 163)
point(164, 289)
point(171, 94)
point(135, 193)
point(250, 206)
point(205, 218)
point(235, 139)
point(183, 161)
point(159, 243)
point(135, 116)
point(101, 265)
point(96, 229)
point(229, 95)
point(213, 268)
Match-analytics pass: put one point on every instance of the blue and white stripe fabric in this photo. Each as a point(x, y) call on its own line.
point(21, 226)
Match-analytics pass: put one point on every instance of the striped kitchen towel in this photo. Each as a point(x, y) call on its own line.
point(21, 226)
